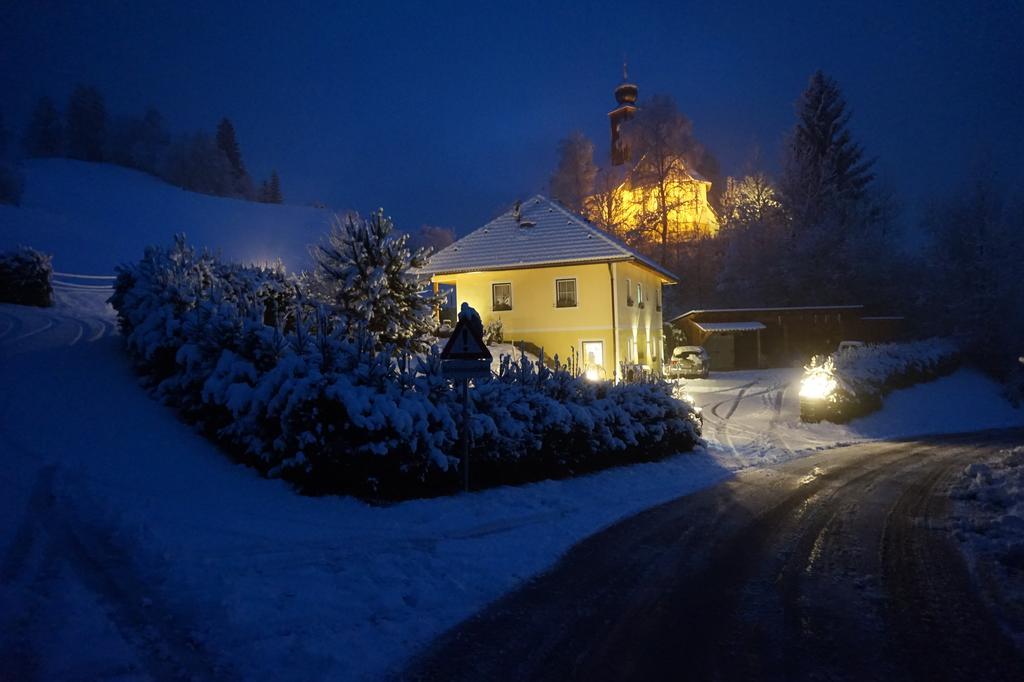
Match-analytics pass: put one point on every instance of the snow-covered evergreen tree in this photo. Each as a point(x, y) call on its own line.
point(44, 134)
point(87, 124)
point(365, 272)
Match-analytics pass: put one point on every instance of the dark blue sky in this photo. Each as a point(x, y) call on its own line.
point(444, 113)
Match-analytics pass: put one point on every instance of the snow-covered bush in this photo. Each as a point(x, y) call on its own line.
point(26, 277)
point(296, 391)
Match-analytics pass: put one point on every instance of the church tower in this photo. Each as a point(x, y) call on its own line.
point(625, 95)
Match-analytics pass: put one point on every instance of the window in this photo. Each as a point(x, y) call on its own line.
point(565, 293)
point(629, 292)
point(501, 296)
point(639, 295)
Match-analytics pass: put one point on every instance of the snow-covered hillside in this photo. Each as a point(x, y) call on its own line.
point(93, 216)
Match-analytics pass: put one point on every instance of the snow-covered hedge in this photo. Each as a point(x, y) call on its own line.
point(281, 385)
point(874, 370)
point(852, 382)
point(26, 278)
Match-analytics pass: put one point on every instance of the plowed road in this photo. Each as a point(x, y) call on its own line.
point(834, 566)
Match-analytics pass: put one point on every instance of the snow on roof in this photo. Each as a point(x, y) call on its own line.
point(545, 234)
point(729, 326)
point(766, 310)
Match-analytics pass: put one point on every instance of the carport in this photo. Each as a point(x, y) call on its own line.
point(731, 345)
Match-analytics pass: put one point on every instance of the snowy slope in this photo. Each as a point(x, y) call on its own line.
point(93, 216)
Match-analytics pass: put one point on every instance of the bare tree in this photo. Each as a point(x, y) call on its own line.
point(573, 180)
point(668, 159)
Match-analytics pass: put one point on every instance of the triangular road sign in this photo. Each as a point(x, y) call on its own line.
point(464, 344)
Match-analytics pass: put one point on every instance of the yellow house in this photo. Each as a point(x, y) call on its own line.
point(558, 282)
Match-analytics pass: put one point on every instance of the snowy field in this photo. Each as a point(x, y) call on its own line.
point(129, 537)
point(93, 216)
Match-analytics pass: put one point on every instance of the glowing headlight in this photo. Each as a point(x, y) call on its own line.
point(818, 385)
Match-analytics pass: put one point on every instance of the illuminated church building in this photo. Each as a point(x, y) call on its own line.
point(624, 202)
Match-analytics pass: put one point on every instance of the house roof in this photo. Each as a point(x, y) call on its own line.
point(546, 234)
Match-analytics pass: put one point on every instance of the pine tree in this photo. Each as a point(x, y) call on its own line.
point(573, 181)
point(825, 172)
point(228, 143)
point(364, 269)
point(44, 133)
point(274, 190)
point(87, 124)
point(270, 190)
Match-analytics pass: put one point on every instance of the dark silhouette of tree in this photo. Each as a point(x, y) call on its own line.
point(44, 133)
point(573, 180)
point(270, 190)
point(825, 171)
point(87, 124)
point(228, 144)
point(196, 163)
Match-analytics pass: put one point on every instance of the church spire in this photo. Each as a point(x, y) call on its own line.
point(625, 95)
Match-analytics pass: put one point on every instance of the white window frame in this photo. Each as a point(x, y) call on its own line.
point(575, 292)
point(511, 302)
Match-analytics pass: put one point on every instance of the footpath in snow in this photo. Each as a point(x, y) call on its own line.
point(129, 538)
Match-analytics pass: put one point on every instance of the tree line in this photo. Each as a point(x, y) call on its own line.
point(821, 233)
point(198, 161)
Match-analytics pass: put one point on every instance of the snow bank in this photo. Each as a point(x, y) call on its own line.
point(93, 216)
point(989, 522)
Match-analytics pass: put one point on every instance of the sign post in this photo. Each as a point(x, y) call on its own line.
point(466, 357)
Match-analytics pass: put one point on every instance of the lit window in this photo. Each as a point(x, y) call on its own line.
point(501, 296)
point(565, 293)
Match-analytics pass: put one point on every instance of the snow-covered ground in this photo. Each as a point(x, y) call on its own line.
point(93, 216)
point(128, 538)
point(989, 522)
point(753, 417)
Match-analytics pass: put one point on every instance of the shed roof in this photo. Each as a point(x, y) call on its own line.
point(728, 326)
point(544, 234)
point(777, 309)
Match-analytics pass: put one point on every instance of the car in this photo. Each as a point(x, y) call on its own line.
point(688, 361)
point(846, 346)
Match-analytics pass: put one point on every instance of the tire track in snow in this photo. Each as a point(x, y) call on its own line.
point(162, 638)
point(46, 327)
